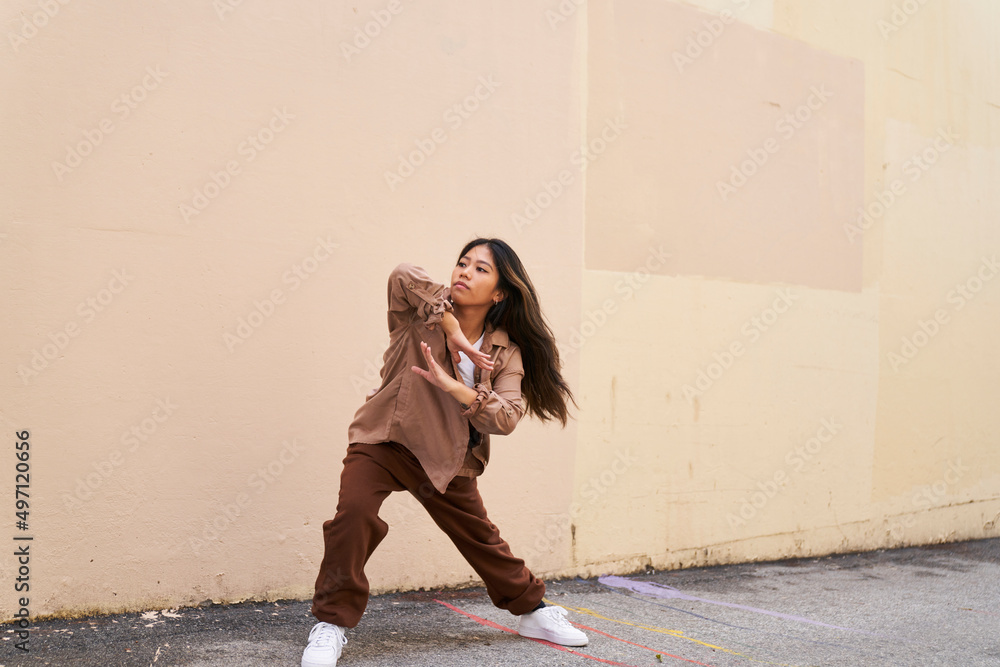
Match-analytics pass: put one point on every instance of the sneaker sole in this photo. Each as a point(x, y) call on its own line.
point(315, 664)
point(543, 637)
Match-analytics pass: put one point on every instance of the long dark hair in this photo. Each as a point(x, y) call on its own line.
point(520, 315)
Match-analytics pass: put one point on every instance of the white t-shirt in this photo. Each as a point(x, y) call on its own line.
point(465, 365)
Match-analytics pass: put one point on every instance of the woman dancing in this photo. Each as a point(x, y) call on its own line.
point(426, 430)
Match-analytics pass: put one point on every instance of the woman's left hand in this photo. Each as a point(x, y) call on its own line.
point(435, 374)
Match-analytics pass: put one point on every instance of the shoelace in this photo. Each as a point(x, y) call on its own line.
point(328, 634)
point(557, 614)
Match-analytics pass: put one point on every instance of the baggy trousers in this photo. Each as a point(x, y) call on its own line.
point(371, 472)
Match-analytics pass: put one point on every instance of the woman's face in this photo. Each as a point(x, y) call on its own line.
point(474, 279)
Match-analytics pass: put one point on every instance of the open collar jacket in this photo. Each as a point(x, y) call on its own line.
point(448, 438)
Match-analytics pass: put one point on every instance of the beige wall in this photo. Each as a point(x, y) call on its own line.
point(203, 202)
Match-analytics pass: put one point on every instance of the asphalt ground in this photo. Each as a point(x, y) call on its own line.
point(934, 605)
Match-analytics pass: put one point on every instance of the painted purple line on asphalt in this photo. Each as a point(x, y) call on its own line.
point(671, 593)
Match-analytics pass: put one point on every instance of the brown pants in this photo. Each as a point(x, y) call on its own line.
point(371, 473)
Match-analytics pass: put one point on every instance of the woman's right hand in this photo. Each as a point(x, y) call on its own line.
point(458, 342)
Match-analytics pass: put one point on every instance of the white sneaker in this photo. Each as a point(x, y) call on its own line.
point(326, 641)
point(549, 623)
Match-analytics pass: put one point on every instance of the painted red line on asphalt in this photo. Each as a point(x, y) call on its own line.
point(477, 619)
point(988, 613)
point(670, 655)
point(497, 626)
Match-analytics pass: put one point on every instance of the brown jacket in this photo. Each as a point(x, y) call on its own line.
point(447, 439)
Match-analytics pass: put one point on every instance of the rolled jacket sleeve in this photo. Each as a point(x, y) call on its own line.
point(412, 293)
point(497, 410)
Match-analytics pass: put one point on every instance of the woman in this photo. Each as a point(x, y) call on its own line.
point(426, 430)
